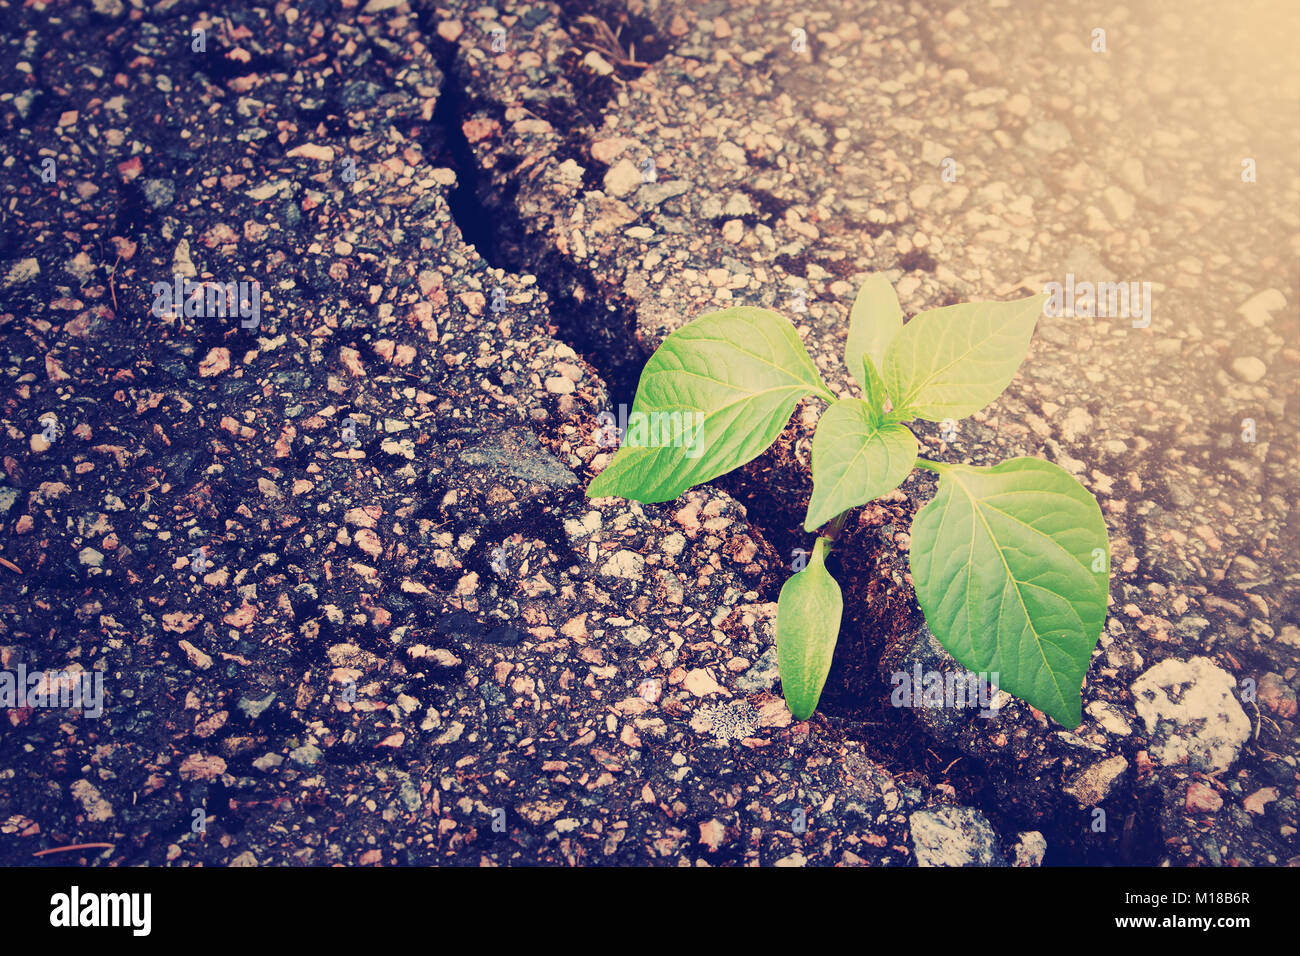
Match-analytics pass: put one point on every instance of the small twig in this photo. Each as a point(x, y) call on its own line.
point(111, 287)
point(75, 846)
point(949, 767)
point(11, 566)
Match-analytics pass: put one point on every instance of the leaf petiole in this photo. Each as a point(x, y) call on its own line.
point(937, 467)
point(835, 527)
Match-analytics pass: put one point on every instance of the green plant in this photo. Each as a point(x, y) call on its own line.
point(1010, 563)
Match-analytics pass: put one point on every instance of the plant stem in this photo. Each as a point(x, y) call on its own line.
point(937, 467)
point(836, 526)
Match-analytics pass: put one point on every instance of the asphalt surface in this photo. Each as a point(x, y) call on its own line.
point(332, 558)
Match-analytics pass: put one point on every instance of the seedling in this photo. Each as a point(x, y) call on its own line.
point(1010, 563)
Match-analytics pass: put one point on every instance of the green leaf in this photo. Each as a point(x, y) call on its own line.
point(1003, 561)
point(873, 387)
point(807, 626)
point(876, 318)
point(855, 460)
point(714, 395)
point(951, 362)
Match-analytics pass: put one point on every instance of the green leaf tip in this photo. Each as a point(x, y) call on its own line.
point(807, 627)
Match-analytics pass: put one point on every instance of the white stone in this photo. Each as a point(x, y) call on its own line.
point(953, 836)
point(597, 64)
point(1191, 714)
point(25, 270)
point(623, 177)
point(1258, 309)
point(1110, 719)
point(1094, 784)
point(624, 564)
point(1121, 203)
point(1030, 848)
point(1249, 369)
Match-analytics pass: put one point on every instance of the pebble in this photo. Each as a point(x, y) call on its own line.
point(158, 193)
point(368, 542)
point(622, 179)
point(24, 270)
point(953, 836)
point(197, 658)
point(1048, 136)
point(1191, 714)
point(1133, 175)
point(1249, 369)
point(307, 755)
point(1076, 424)
point(97, 809)
point(608, 150)
point(1259, 308)
point(1257, 801)
point(701, 683)
point(761, 676)
point(215, 362)
point(624, 564)
point(204, 767)
point(1030, 848)
point(597, 64)
point(253, 709)
point(1110, 718)
point(323, 154)
point(1202, 798)
point(712, 833)
point(1276, 696)
point(1095, 783)
point(1122, 205)
point(655, 193)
